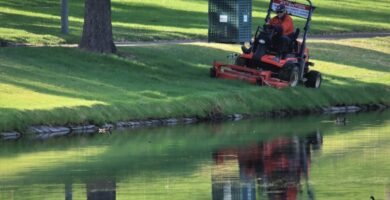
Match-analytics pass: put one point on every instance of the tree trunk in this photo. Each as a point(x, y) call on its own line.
point(97, 30)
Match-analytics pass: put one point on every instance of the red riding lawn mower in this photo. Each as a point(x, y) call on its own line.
point(264, 64)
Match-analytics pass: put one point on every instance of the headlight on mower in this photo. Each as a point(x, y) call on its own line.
point(261, 41)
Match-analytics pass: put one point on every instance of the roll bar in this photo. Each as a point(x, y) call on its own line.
point(306, 28)
point(303, 45)
point(295, 9)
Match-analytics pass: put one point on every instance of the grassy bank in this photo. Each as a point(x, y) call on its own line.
point(38, 21)
point(65, 85)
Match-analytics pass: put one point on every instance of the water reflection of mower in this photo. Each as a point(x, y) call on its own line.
point(272, 169)
point(263, 63)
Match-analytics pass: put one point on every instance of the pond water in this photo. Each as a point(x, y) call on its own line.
point(316, 157)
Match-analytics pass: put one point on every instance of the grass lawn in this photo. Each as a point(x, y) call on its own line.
point(38, 21)
point(53, 85)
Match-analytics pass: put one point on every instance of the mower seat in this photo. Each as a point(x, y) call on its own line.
point(295, 34)
point(293, 45)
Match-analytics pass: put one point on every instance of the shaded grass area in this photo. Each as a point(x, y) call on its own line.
point(38, 21)
point(332, 16)
point(68, 86)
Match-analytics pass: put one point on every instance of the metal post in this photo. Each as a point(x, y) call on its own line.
point(64, 17)
point(303, 45)
point(268, 17)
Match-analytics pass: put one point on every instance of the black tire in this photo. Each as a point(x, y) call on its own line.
point(313, 79)
point(240, 61)
point(290, 73)
point(213, 73)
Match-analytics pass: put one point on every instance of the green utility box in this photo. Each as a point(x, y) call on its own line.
point(230, 21)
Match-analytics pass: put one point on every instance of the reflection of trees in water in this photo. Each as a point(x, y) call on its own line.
point(68, 191)
point(101, 190)
point(275, 168)
point(96, 190)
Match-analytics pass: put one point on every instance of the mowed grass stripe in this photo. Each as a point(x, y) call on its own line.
point(52, 85)
point(38, 21)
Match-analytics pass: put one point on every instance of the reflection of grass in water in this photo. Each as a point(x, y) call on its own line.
point(42, 191)
point(177, 163)
point(144, 144)
point(22, 164)
point(353, 164)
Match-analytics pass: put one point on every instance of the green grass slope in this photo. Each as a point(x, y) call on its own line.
point(38, 21)
point(52, 85)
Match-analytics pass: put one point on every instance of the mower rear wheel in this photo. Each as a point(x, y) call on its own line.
point(213, 73)
point(290, 73)
point(314, 79)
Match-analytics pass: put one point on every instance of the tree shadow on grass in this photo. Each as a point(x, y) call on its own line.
point(362, 14)
point(30, 21)
point(114, 81)
point(36, 6)
point(138, 13)
point(140, 21)
point(37, 28)
point(165, 23)
point(156, 76)
point(75, 70)
point(124, 34)
point(340, 17)
point(352, 56)
point(131, 22)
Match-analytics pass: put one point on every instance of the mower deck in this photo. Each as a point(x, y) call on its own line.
point(258, 77)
